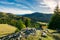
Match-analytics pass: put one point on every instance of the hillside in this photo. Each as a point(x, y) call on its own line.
point(17, 21)
point(39, 16)
point(6, 29)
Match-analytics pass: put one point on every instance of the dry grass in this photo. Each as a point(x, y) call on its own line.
point(6, 29)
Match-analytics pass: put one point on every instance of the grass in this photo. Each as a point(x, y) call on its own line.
point(47, 38)
point(6, 29)
point(38, 36)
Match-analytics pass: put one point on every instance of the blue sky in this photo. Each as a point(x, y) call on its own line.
point(27, 6)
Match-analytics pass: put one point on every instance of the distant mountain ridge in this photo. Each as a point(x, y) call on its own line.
point(39, 16)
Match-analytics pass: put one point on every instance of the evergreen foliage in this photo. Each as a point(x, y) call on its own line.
point(55, 20)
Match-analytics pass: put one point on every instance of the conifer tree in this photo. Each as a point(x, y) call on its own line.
point(55, 20)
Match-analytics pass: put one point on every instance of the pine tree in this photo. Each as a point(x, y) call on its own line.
point(55, 20)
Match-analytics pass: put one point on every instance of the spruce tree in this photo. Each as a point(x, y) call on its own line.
point(55, 20)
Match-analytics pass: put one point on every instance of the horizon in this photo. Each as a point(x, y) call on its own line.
point(28, 6)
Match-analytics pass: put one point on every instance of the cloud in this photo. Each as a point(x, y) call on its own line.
point(50, 3)
point(25, 2)
point(12, 3)
point(42, 4)
point(37, 5)
point(15, 11)
point(28, 6)
point(21, 6)
point(4, 2)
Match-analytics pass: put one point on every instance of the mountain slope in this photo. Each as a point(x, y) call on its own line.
point(39, 16)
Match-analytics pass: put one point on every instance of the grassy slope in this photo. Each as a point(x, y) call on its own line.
point(6, 29)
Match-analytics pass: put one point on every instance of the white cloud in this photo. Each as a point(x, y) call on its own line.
point(41, 6)
point(42, 3)
point(15, 11)
point(50, 3)
point(12, 3)
point(44, 6)
point(27, 3)
point(20, 5)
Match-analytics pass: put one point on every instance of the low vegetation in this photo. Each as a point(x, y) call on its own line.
point(6, 29)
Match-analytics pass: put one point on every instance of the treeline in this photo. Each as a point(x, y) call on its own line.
point(17, 21)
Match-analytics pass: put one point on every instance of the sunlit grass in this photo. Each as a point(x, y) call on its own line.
point(6, 29)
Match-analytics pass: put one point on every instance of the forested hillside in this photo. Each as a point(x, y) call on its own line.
point(41, 17)
point(17, 21)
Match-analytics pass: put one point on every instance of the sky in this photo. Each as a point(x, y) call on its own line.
point(28, 6)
